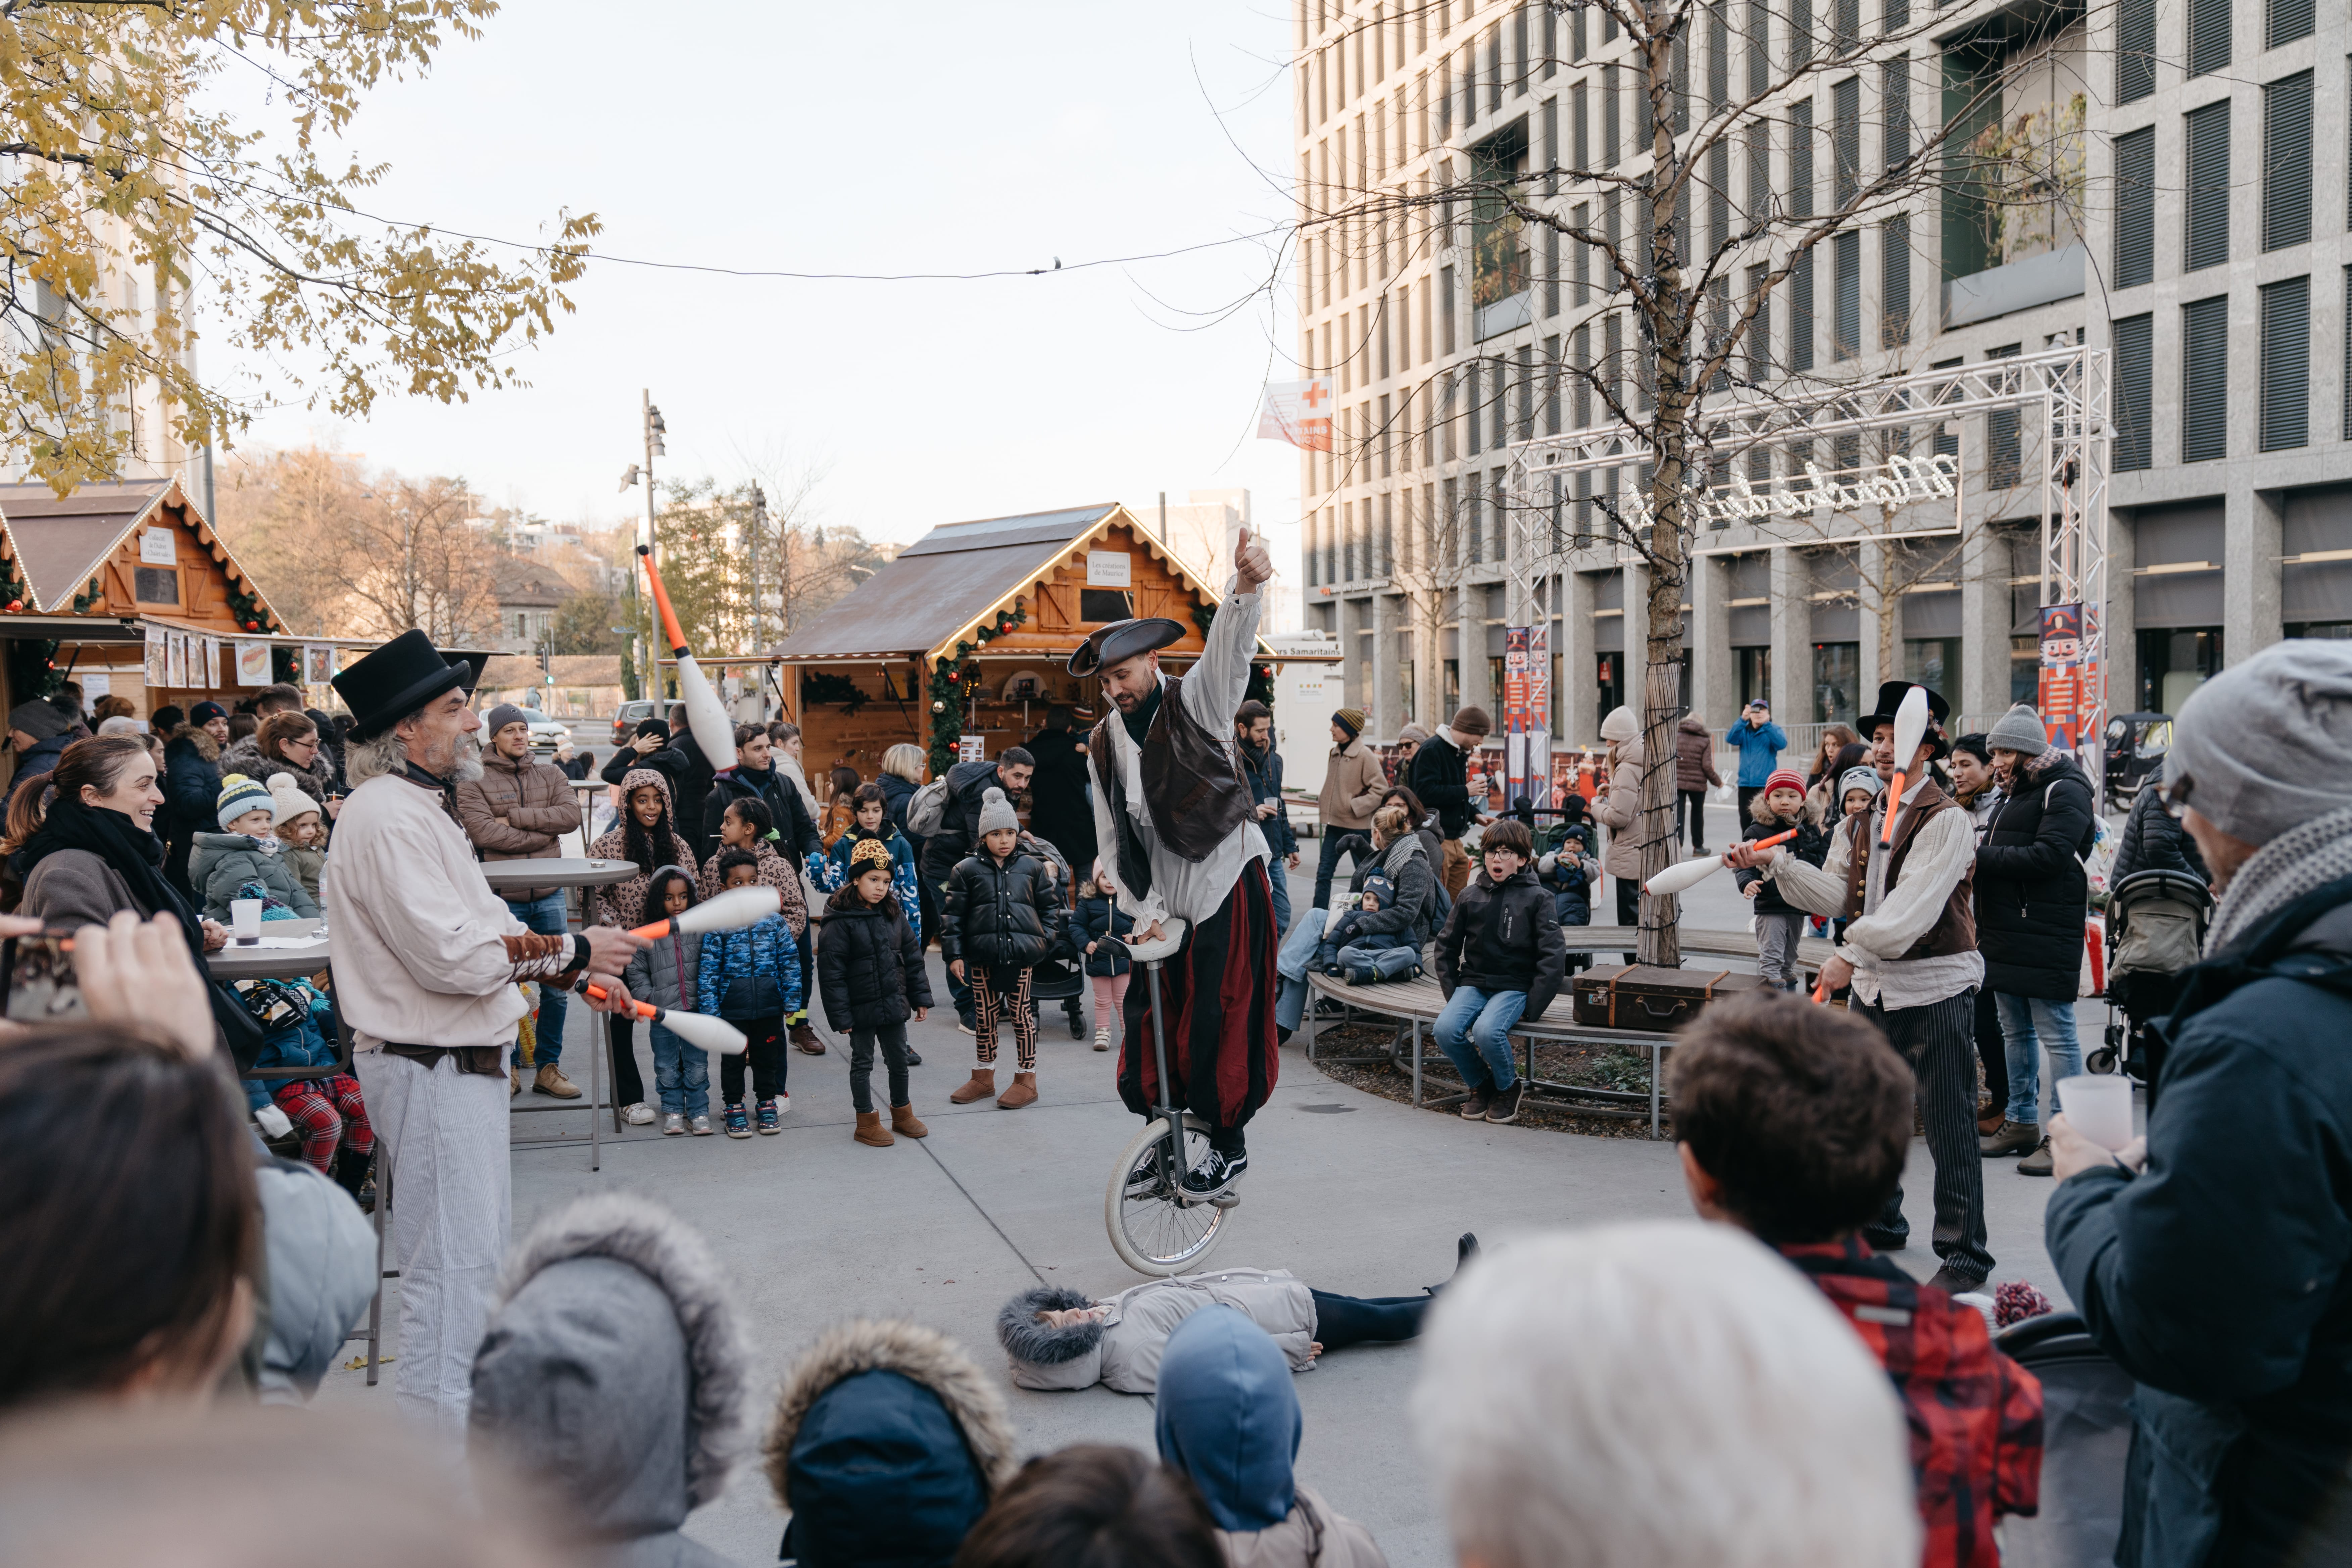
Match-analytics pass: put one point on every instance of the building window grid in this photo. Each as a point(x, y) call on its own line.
point(2206, 242)
point(2136, 207)
point(2135, 349)
point(2208, 36)
point(2286, 322)
point(2286, 161)
point(2204, 370)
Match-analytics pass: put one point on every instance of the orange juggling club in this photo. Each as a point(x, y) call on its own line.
point(729, 910)
point(696, 1029)
point(1689, 873)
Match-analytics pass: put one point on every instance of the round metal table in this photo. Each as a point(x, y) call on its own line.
point(564, 873)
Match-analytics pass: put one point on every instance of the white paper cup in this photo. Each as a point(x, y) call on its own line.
point(2099, 1107)
point(245, 919)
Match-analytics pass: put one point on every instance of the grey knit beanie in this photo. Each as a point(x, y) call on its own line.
point(1853, 779)
point(2019, 730)
point(2266, 745)
point(996, 812)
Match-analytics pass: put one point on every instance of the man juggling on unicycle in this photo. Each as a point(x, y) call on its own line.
point(1180, 840)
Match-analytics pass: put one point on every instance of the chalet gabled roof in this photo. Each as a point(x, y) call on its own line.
point(59, 544)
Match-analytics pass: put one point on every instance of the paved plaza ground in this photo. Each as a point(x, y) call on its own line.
point(1353, 1192)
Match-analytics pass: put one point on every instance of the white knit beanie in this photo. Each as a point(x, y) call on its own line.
point(289, 799)
point(996, 812)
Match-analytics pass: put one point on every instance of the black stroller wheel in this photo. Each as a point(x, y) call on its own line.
point(2100, 1059)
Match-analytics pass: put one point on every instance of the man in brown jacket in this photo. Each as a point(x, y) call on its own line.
point(1353, 782)
point(516, 811)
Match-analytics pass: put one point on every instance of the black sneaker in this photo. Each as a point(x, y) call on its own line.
point(1474, 1109)
point(1215, 1175)
point(1507, 1104)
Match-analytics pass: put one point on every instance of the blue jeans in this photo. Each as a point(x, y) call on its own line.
point(1291, 963)
point(546, 916)
point(1474, 1030)
point(2028, 1025)
point(1355, 847)
point(681, 1074)
point(1277, 876)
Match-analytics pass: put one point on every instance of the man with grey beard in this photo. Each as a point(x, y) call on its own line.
point(426, 965)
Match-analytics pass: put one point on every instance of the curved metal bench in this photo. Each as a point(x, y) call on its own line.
point(1415, 1004)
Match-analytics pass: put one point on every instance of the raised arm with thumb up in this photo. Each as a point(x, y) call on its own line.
point(1251, 562)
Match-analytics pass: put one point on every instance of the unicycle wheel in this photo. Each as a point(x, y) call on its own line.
point(1153, 1228)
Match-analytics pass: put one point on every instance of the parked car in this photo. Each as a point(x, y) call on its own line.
point(632, 714)
point(546, 733)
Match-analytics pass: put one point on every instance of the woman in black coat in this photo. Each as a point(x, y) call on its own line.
point(2031, 895)
point(1059, 810)
point(2153, 841)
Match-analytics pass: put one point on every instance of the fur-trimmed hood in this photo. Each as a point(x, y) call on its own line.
point(1025, 1339)
point(888, 1436)
point(614, 1365)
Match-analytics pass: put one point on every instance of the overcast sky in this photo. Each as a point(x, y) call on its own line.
point(851, 138)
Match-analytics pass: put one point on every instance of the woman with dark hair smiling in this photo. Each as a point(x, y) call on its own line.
point(95, 855)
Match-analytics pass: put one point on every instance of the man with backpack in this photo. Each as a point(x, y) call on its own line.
point(945, 813)
point(2209, 1257)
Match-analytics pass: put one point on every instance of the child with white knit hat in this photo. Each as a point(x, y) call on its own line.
point(1005, 913)
point(302, 832)
point(245, 852)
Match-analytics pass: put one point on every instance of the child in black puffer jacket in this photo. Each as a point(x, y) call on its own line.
point(1099, 919)
point(1004, 914)
point(869, 970)
point(1778, 924)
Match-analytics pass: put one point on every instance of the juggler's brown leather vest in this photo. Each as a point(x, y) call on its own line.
point(1191, 785)
point(1955, 931)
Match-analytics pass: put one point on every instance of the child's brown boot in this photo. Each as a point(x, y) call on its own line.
point(870, 1130)
point(906, 1124)
point(1023, 1092)
point(981, 1085)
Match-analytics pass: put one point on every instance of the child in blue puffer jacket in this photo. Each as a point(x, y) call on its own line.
point(751, 978)
point(298, 1026)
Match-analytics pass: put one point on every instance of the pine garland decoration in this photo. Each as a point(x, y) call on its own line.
point(953, 680)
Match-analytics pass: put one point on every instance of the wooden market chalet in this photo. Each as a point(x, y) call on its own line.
point(89, 582)
point(968, 631)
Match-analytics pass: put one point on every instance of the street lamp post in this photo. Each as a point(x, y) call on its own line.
point(655, 429)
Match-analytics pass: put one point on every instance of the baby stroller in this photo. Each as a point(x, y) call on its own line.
point(2086, 1428)
point(2156, 930)
point(1055, 980)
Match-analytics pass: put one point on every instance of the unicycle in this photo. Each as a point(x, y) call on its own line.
point(1154, 1228)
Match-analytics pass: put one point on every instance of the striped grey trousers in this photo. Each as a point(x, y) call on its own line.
point(1939, 1042)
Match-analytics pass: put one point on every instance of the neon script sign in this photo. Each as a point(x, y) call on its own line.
point(1898, 482)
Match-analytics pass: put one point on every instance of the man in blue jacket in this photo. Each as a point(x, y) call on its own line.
point(2209, 1257)
point(1760, 742)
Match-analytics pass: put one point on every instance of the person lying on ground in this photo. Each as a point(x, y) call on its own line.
point(1057, 1338)
point(1794, 1122)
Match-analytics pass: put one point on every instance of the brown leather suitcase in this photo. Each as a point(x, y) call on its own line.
point(1654, 1000)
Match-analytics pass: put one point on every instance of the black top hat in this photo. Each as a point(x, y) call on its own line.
point(1122, 640)
point(1890, 698)
point(395, 681)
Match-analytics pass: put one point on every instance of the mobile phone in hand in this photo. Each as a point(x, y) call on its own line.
point(42, 985)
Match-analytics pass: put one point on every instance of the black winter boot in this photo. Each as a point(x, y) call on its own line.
point(351, 1172)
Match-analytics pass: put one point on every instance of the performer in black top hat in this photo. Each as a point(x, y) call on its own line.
point(1910, 953)
point(426, 962)
point(1178, 837)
